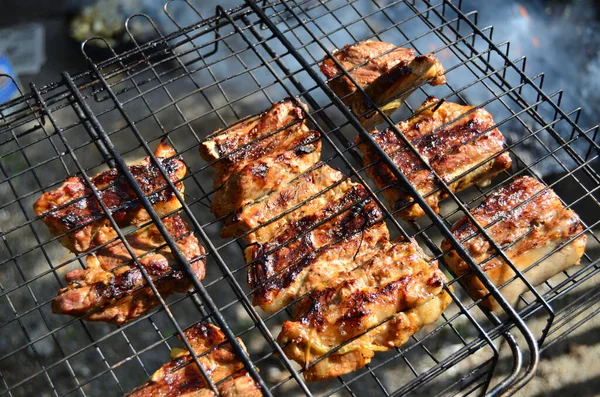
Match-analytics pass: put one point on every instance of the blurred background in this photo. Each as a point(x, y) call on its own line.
point(42, 38)
point(548, 32)
point(39, 39)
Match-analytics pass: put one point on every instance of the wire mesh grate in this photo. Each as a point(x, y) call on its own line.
point(196, 79)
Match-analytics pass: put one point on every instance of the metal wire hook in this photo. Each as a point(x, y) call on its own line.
point(97, 88)
point(144, 16)
point(90, 39)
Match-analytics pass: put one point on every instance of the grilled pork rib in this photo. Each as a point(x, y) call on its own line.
point(452, 148)
point(528, 221)
point(182, 377)
point(73, 213)
point(397, 285)
point(384, 72)
point(113, 286)
point(252, 138)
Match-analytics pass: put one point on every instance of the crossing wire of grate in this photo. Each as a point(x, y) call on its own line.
point(107, 159)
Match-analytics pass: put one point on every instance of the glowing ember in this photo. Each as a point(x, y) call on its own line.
point(535, 41)
point(523, 12)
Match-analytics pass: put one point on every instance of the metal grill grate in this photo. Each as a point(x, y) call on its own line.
point(189, 82)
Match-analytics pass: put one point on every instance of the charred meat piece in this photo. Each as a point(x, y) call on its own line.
point(259, 155)
point(313, 249)
point(182, 377)
point(452, 148)
point(272, 131)
point(113, 287)
point(73, 213)
point(528, 221)
point(308, 191)
point(374, 307)
point(365, 62)
point(263, 176)
point(386, 73)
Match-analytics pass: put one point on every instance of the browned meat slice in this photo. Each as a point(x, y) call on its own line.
point(273, 131)
point(301, 191)
point(528, 221)
point(385, 72)
point(113, 286)
point(452, 148)
point(182, 377)
point(263, 176)
point(365, 61)
point(312, 250)
point(374, 307)
point(73, 213)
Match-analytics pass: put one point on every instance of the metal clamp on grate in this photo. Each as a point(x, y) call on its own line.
point(148, 260)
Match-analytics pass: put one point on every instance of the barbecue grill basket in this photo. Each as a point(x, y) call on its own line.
point(194, 79)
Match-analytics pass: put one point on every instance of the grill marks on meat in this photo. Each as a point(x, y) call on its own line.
point(275, 131)
point(267, 174)
point(308, 251)
point(397, 285)
point(311, 185)
point(365, 61)
point(257, 135)
point(112, 285)
point(312, 232)
point(182, 377)
point(451, 148)
point(112, 288)
point(386, 73)
point(73, 213)
point(528, 221)
point(257, 156)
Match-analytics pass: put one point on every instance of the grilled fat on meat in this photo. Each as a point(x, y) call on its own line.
point(453, 139)
point(375, 307)
point(181, 376)
point(257, 156)
point(387, 74)
point(73, 213)
point(528, 221)
point(112, 288)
